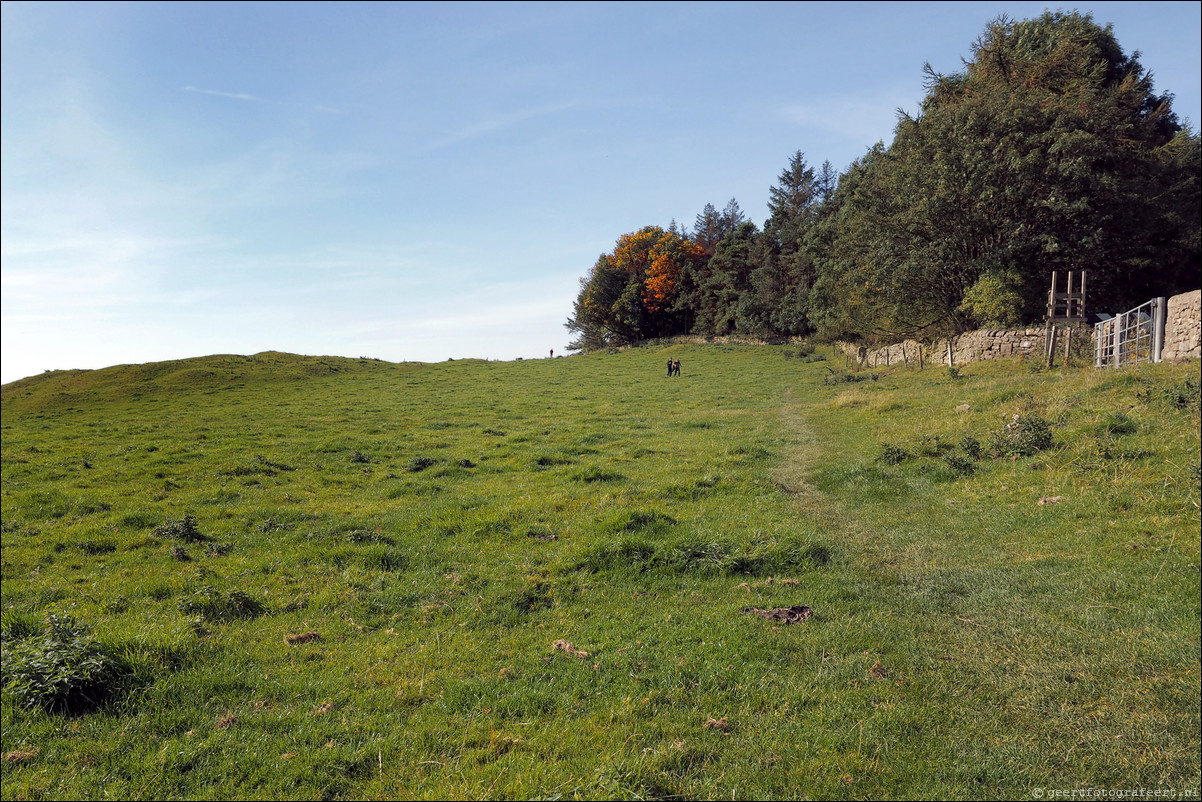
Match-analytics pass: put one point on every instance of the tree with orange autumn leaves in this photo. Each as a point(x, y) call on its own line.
point(631, 293)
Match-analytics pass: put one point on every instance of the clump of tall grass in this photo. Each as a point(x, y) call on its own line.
point(212, 604)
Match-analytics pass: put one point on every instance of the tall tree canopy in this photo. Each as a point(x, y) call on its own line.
point(631, 293)
point(780, 284)
point(1050, 151)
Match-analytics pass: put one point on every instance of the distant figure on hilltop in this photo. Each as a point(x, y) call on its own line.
point(552, 353)
point(670, 367)
point(675, 369)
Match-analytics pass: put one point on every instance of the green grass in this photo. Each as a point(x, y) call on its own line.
point(989, 619)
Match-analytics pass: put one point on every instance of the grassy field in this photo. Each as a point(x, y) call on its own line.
point(300, 577)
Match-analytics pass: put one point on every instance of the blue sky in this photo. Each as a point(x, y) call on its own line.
point(422, 181)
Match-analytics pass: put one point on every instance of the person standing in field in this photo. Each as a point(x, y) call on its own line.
point(670, 366)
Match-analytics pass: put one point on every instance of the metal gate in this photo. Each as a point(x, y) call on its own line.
point(1132, 337)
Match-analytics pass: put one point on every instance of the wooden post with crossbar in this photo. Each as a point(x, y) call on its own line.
point(1063, 307)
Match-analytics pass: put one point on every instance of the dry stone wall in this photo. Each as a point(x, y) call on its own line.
point(972, 346)
point(1183, 327)
point(1182, 340)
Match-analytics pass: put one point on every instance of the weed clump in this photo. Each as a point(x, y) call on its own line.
point(960, 465)
point(368, 536)
point(419, 464)
point(184, 529)
point(1022, 436)
point(893, 454)
point(971, 447)
point(64, 671)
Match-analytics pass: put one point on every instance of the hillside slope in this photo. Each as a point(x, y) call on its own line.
point(281, 576)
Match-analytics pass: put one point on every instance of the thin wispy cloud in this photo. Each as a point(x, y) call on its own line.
point(499, 122)
point(256, 99)
point(234, 95)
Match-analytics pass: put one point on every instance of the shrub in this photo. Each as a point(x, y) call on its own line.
point(1023, 436)
point(64, 671)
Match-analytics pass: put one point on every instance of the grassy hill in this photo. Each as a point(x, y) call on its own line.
point(297, 577)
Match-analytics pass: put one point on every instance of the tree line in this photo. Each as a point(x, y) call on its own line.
point(1048, 151)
